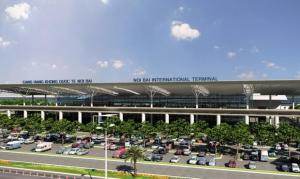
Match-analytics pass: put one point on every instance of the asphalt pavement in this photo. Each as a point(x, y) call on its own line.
point(154, 168)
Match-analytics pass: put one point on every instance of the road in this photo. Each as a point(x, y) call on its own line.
point(156, 168)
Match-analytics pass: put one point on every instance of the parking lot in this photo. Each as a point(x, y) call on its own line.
point(98, 151)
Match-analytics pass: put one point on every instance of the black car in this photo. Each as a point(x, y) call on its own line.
point(246, 156)
point(157, 157)
point(284, 168)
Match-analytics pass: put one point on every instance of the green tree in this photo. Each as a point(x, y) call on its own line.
point(163, 129)
point(220, 133)
point(127, 128)
point(64, 127)
point(6, 123)
point(287, 133)
point(239, 135)
point(47, 125)
point(199, 128)
point(145, 130)
point(264, 133)
point(180, 127)
point(134, 153)
point(33, 125)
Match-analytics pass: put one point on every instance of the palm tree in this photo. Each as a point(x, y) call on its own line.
point(134, 154)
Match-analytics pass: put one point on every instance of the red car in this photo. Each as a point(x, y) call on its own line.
point(179, 152)
point(231, 164)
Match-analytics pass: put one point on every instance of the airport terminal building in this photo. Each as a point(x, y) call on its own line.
point(161, 99)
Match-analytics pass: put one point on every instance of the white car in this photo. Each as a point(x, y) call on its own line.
point(193, 160)
point(295, 168)
point(74, 151)
point(154, 146)
point(277, 147)
point(175, 159)
point(187, 151)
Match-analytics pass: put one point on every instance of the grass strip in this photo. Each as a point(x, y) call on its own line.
point(76, 170)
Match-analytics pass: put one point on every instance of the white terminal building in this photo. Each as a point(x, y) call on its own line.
point(213, 101)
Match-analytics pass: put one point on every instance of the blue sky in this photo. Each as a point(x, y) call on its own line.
point(118, 40)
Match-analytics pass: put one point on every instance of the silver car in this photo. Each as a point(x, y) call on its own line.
point(252, 165)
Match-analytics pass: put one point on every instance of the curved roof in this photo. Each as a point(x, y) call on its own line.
point(272, 87)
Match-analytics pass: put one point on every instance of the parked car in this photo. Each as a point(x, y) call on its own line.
point(157, 157)
point(272, 152)
point(43, 146)
point(211, 162)
point(13, 145)
point(231, 164)
point(252, 165)
point(74, 151)
point(148, 157)
point(284, 168)
point(187, 152)
point(179, 152)
point(61, 150)
point(82, 152)
point(277, 147)
point(285, 147)
point(201, 161)
point(295, 168)
point(175, 159)
point(67, 151)
point(193, 160)
point(30, 140)
point(246, 156)
point(201, 154)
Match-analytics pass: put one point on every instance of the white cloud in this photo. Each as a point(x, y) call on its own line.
point(180, 8)
point(139, 72)
point(4, 43)
point(272, 65)
point(118, 64)
point(231, 55)
point(297, 76)
point(183, 31)
point(53, 66)
point(255, 50)
point(102, 64)
point(216, 47)
point(105, 2)
point(247, 75)
point(18, 11)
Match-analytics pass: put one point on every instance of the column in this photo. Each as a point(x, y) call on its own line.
point(247, 119)
point(8, 112)
point(121, 116)
point(43, 115)
point(218, 119)
point(143, 117)
point(60, 115)
point(92, 104)
point(293, 105)
point(197, 106)
point(25, 114)
point(79, 117)
point(192, 119)
point(167, 118)
point(276, 121)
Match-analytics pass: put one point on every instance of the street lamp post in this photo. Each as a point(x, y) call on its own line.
point(105, 148)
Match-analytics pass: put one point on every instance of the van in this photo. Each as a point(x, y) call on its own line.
point(13, 145)
point(43, 146)
point(264, 155)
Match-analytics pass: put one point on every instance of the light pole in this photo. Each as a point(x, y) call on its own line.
point(105, 146)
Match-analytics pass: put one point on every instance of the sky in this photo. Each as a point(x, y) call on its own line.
point(119, 40)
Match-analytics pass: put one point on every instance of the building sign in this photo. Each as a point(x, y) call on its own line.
point(73, 81)
point(175, 79)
